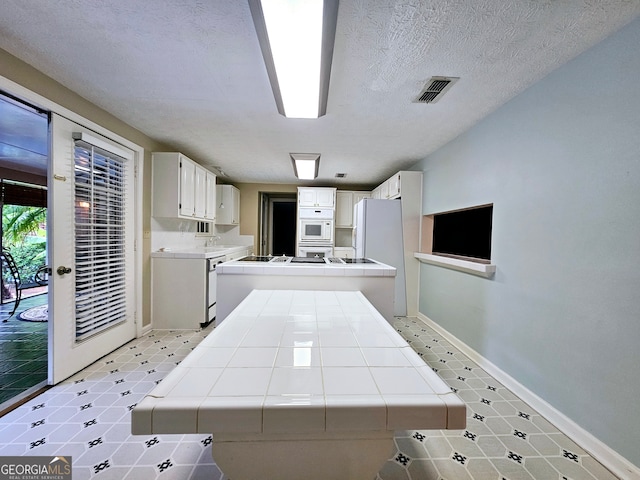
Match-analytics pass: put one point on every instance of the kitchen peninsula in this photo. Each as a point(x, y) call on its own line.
point(237, 278)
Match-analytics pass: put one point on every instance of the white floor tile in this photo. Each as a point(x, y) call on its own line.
point(504, 437)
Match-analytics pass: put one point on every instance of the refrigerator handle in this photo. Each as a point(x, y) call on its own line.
point(353, 237)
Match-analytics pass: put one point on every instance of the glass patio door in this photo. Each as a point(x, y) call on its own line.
point(91, 247)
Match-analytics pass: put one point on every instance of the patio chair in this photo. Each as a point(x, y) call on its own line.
point(11, 273)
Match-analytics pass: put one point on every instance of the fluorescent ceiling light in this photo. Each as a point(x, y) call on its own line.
point(296, 38)
point(305, 165)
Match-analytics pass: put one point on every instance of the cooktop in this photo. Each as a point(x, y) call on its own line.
point(315, 260)
point(255, 258)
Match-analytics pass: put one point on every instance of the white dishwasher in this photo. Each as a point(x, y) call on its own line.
point(212, 263)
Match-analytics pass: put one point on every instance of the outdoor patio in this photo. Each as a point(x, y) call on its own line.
point(23, 350)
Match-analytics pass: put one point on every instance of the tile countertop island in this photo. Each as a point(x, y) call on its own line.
point(237, 278)
point(301, 384)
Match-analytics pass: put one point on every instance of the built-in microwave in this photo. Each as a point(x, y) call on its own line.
point(315, 231)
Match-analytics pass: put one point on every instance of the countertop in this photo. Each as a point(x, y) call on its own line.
point(375, 269)
point(300, 362)
point(200, 252)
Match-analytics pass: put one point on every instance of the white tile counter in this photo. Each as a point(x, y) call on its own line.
point(236, 279)
point(202, 252)
point(300, 367)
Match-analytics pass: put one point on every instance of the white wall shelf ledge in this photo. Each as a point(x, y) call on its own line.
point(475, 268)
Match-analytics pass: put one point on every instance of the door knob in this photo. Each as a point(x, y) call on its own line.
point(62, 270)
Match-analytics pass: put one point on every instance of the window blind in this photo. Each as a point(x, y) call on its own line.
point(100, 296)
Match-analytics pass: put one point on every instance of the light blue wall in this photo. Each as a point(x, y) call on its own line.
point(561, 164)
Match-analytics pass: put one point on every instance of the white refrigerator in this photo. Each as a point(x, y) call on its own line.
point(377, 234)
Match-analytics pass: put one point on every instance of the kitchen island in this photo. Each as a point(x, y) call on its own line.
point(300, 384)
point(237, 278)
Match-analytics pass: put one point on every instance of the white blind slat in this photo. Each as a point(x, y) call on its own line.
point(101, 294)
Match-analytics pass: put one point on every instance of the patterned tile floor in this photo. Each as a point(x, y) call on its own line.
point(87, 417)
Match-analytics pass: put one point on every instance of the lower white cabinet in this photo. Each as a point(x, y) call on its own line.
point(179, 293)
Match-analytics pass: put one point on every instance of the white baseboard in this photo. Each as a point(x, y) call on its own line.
point(611, 459)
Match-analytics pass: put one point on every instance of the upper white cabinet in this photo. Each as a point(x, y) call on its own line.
point(186, 186)
point(345, 200)
point(357, 196)
point(392, 187)
point(211, 206)
point(324, 197)
point(228, 205)
point(200, 192)
point(181, 187)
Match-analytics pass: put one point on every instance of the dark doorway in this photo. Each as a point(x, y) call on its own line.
point(277, 223)
point(284, 223)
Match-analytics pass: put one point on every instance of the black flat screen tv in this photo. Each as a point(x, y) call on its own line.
point(464, 233)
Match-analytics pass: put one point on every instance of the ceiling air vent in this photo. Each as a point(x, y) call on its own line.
point(435, 88)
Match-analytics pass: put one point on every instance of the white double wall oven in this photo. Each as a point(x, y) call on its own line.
point(316, 232)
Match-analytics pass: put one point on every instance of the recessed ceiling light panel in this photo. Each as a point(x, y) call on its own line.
point(305, 165)
point(297, 39)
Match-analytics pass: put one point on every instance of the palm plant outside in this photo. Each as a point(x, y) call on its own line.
point(24, 235)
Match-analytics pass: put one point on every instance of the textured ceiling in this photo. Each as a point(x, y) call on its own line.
point(189, 73)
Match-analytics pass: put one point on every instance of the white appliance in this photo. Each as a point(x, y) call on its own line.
point(316, 213)
point(314, 251)
point(377, 234)
point(212, 263)
point(315, 231)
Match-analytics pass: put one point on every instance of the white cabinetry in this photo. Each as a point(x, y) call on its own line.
point(179, 292)
point(345, 200)
point(392, 187)
point(406, 187)
point(181, 188)
point(238, 254)
point(186, 186)
point(357, 196)
point(210, 210)
point(228, 201)
point(200, 192)
point(324, 197)
point(343, 252)
point(344, 209)
point(183, 290)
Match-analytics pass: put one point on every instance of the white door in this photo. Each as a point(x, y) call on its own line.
point(91, 248)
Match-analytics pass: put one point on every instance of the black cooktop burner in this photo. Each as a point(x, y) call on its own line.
point(255, 258)
point(314, 260)
point(358, 260)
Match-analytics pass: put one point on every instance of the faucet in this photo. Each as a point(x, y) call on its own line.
point(213, 240)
